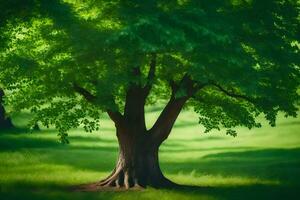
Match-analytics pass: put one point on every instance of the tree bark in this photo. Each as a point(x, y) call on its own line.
point(138, 163)
point(164, 124)
point(5, 122)
point(138, 160)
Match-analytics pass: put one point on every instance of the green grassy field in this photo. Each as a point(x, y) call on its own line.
point(258, 164)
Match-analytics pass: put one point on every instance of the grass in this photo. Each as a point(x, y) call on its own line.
point(258, 164)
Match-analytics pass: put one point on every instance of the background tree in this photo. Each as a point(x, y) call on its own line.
point(12, 11)
point(5, 122)
point(231, 61)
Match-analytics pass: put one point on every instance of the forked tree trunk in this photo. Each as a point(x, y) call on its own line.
point(5, 122)
point(138, 163)
point(138, 160)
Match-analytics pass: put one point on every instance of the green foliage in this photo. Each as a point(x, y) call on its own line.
point(215, 109)
point(249, 48)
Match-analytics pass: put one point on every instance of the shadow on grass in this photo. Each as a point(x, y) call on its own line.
point(24, 139)
point(16, 130)
point(94, 158)
point(11, 143)
point(243, 192)
point(281, 165)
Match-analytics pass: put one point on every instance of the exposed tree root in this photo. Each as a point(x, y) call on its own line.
point(121, 180)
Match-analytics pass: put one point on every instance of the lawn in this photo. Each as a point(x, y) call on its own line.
point(258, 164)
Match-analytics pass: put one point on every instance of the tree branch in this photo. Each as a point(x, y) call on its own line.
point(173, 86)
point(190, 86)
point(152, 69)
point(116, 116)
point(86, 94)
point(151, 74)
point(234, 95)
point(164, 123)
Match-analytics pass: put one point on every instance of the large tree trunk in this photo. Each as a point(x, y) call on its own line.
point(138, 161)
point(137, 164)
point(5, 122)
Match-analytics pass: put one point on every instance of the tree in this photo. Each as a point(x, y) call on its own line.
point(230, 60)
point(5, 122)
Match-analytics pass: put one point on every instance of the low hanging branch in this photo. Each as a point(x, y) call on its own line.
point(116, 116)
point(86, 94)
point(232, 94)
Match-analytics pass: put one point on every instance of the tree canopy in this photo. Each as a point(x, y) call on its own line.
point(68, 61)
